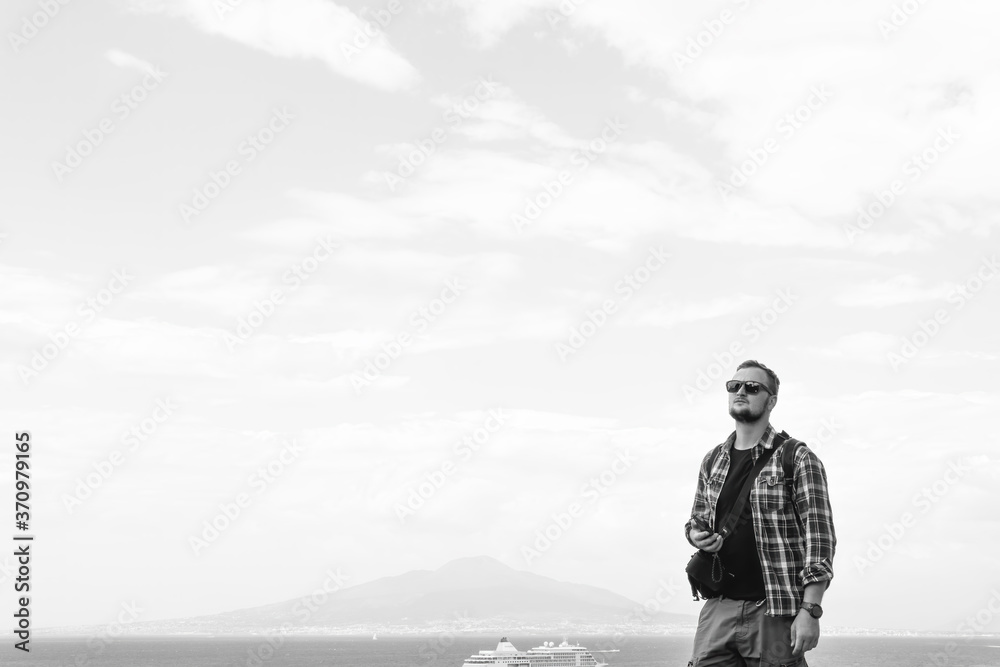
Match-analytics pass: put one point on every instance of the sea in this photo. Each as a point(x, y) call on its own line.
point(451, 651)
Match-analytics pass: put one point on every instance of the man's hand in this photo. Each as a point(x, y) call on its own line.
point(805, 633)
point(706, 540)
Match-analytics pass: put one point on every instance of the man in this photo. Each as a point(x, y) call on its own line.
point(779, 561)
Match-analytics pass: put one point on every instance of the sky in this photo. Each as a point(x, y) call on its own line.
point(301, 286)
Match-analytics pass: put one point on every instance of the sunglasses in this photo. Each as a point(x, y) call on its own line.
point(733, 386)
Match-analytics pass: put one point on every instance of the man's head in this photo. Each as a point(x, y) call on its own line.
point(747, 407)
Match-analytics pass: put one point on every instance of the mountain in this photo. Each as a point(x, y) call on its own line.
point(476, 593)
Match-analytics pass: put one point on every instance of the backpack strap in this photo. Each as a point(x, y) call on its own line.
point(791, 448)
point(788, 460)
point(733, 520)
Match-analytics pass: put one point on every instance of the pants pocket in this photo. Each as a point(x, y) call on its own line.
point(775, 643)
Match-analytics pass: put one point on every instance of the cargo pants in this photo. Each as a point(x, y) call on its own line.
point(737, 633)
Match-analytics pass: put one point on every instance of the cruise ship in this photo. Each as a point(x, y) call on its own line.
point(546, 655)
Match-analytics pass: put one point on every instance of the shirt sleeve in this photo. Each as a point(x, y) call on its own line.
point(700, 507)
point(812, 501)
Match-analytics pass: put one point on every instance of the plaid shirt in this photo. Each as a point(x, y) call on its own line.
point(795, 540)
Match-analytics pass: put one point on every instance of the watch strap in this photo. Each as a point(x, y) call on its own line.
point(809, 606)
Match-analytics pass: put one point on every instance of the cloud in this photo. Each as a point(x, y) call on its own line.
point(501, 115)
point(351, 217)
point(122, 59)
point(886, 101)
point(604, 199)
point(560, 422)
point(887, 97)
point(300, 29)
point(895, 290)
point(671, 314)
point(867, 346)
point(878, 243)
point(488, 21)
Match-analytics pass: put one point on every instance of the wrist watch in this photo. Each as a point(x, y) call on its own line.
point(813, 608)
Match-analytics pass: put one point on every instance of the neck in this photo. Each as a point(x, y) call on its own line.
point(748, 433)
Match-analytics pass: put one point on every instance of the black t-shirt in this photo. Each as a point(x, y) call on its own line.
point(739, 550)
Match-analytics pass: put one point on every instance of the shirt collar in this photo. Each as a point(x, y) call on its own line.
point(766, 439)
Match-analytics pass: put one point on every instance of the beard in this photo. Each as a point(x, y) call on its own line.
point(742, 412)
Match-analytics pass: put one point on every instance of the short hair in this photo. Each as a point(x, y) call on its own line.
point(753, 363)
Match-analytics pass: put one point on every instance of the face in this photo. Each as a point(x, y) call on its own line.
point(746, 408)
